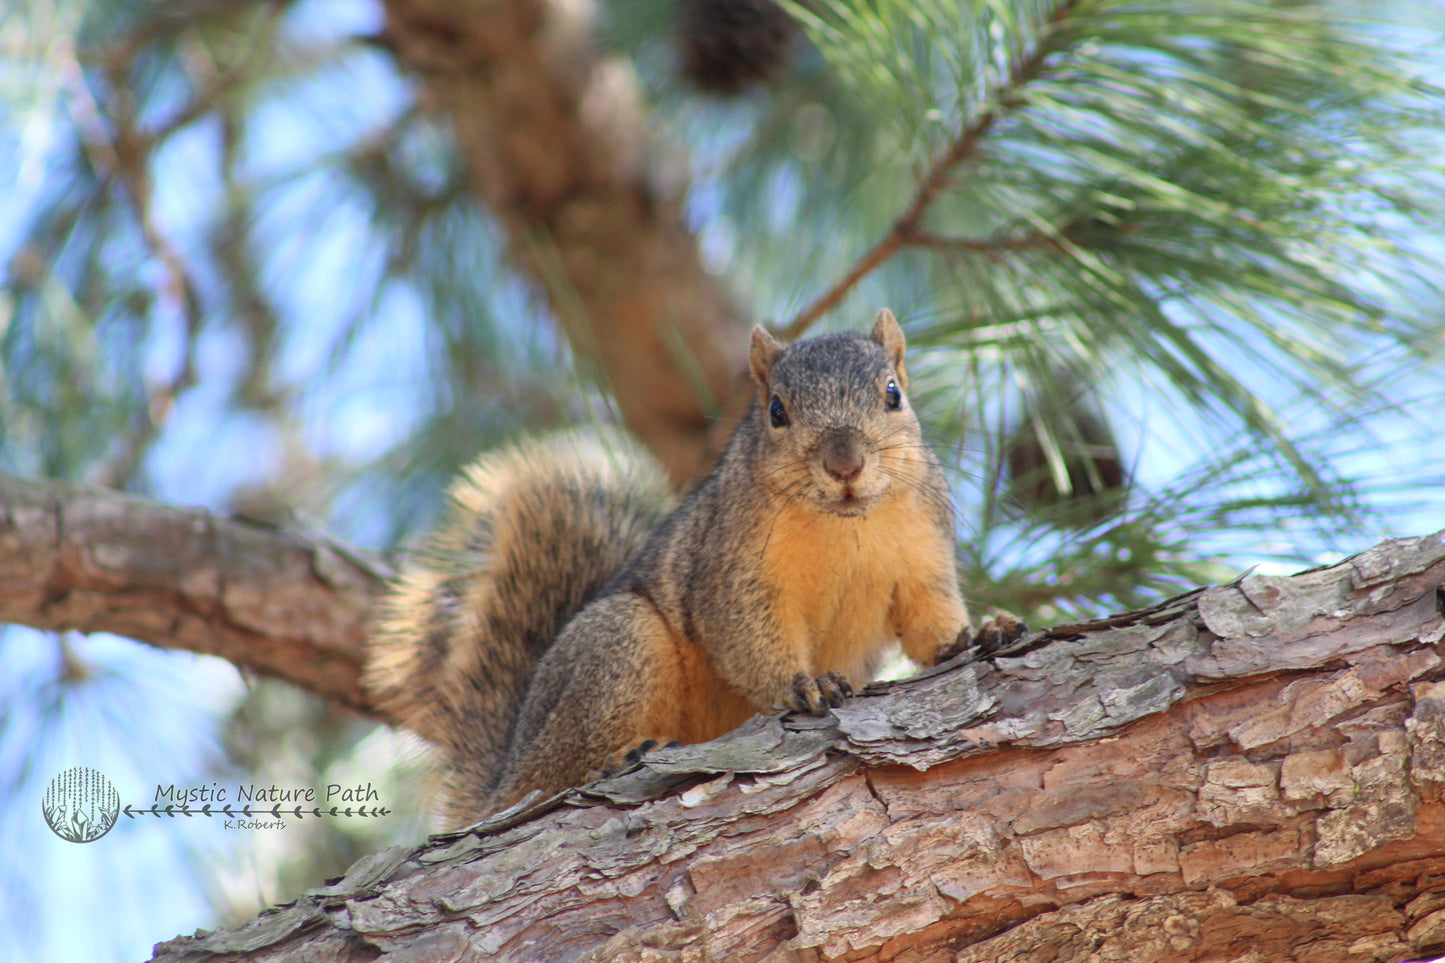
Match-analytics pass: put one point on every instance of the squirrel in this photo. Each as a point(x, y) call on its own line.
point(565, 617)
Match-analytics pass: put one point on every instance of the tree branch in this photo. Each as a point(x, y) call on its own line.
point(908, 228)
point(555, 138)
point(281, 603)
point(1247, 771)
point(115, 142)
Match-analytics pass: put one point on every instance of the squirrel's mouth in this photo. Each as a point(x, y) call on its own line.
point(849, 503)
point(850, 498)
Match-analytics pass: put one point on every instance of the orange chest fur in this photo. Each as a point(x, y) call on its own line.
point(834, 578)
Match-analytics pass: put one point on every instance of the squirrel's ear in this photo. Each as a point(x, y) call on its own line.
point(764, 351)
point(889, 335)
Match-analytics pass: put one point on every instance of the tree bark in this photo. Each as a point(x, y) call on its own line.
point(1246, 772)
point(555, 138)
point(281, 603)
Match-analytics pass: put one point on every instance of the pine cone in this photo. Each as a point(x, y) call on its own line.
point(728, 45)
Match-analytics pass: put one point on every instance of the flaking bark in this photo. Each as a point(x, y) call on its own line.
point(1245, 772)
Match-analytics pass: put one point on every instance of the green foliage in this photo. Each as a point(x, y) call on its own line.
point(1223, 204)
point(1212, 198)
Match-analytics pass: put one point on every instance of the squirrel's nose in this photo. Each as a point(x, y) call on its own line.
point(843, 455)
point(845, 470)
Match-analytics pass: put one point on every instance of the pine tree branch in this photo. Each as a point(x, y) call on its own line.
point(280, 603)
point(908, 228)
point(116, 144)
point(1253, 769)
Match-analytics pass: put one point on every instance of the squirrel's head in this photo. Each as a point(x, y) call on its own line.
point(837, 430)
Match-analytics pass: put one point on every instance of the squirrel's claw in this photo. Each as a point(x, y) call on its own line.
point(618, 765)
point(634, 756)
point(996, 631)
point(816, 694)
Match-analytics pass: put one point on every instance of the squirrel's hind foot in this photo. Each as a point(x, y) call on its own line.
point(631, 758)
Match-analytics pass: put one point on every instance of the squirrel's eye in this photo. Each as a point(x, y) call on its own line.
point(892, 397)
point(776, 412)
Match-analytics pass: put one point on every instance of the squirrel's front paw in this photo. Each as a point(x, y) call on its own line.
point(998, 630)
point(816, 694)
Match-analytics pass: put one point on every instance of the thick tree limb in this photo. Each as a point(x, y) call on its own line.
point(1246, 772)
point(555, 138)
point(98, 561)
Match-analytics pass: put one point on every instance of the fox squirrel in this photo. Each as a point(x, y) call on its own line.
point(563, 614)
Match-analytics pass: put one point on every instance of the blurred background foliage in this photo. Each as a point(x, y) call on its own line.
point(1170, 272)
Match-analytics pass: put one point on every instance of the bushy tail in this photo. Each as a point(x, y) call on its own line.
point(532, 533)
